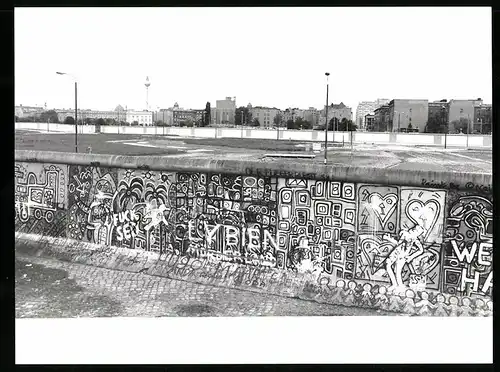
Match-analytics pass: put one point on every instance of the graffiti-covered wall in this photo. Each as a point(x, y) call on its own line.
point(398, 237)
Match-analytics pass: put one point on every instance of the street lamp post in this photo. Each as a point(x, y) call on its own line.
point(468, 125)
point(76, 108)
point(445, 125)
point(326, 118)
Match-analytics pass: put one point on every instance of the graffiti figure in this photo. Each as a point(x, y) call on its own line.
point(349, 294)
point(400, 255)
point(366, 295)
point(99, 213)
point(480, 308)
point(408, 302)
point(440, 306)
point(466, 309)
point(394, 303)
point(156, 216)
point(307, 261)
point(381, 298)
point(489, 308)
point(424, 305)
point(453, 307)
point(338, 290)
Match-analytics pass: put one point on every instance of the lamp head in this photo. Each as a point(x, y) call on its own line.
point(327, 73)
point(60, 73)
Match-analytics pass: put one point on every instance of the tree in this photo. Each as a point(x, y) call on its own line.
point(242, 115)
point(17, 118)
point(278, 119)
point(100, 122)
point(301, 124)
point(110, 121)
point(459, 125)
point(69, 120)
point(50, 115)
point(186, 123)
point(346, 125)
point(435, 123)
point(290, 124)
point(207, 115)
point(135, 122)
point(256, 122)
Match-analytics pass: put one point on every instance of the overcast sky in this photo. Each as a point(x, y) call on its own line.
point(263, 56)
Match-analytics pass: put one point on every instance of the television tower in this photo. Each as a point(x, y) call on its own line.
point(147, 84)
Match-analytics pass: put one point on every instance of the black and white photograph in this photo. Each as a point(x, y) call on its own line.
point(223, 164)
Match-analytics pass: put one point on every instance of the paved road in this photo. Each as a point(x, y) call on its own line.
point(364, 155)
point(49, 288)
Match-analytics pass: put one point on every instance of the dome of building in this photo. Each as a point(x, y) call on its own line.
point(119, 108)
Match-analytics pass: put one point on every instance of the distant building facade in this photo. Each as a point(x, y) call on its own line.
point(381, 120)
point(166, 116)
point(462, 108)
point(312, 115)
point(28, 111)
point(144, 118)
point(369, 121)
point(265, 115)
point(338, 111)
point(367, 107)
point(225, 111)
point(482, 122)
point(292, 114)
point(408, 114)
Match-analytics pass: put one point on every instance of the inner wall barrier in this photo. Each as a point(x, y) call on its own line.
point(413, 242)
point(421, 139)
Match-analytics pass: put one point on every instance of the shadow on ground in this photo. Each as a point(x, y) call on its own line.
point(36, 285)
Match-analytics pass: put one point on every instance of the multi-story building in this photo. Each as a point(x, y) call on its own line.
point(367, 107)
point(369, 121)
point(482, 118)
point(28, 111)
point(119, 114)
point(265, 115)
point(381, 121)
point(193, 116)
point(292, 114)
point(408, 115)
point(437, 113)
point(339, 112)
point(164, 115)
point(225, 110)
point(462, 108)
point(141, 117)
point(312, 115)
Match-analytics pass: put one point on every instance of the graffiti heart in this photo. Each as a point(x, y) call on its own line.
point(383, 206)
point(375, 253)
point(423, 214)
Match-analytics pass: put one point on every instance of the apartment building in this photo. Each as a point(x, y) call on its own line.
point(265, 115)
point(482, 122)
point(339, 111)
point(369, 121)
point(367, 107)
point(408, 115)
point(164, 115)
point(381, 120)
point(142, 117)
point(225, 110)
point(312, 115)
point(292, 114)
point(462, 108)
point(28, 111)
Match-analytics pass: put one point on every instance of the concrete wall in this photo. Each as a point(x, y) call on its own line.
point(453, 140)
point(350, 226)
